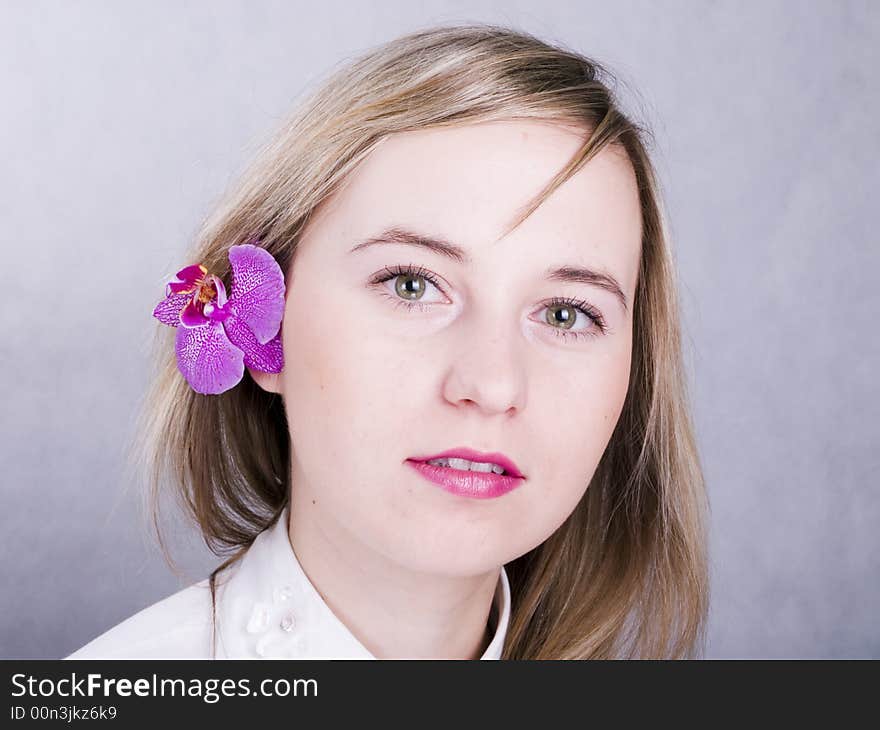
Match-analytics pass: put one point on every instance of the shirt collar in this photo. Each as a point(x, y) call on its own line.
point(268, 607)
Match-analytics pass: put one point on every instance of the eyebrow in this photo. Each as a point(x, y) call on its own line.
point(571, 274)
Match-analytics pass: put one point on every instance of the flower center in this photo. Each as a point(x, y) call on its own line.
point(207, 290)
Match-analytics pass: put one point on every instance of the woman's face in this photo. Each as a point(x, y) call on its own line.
point(485, 356)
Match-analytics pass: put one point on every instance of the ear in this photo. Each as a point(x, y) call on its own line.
point(270, 382)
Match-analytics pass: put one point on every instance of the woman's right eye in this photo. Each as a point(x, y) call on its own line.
point(409, 285)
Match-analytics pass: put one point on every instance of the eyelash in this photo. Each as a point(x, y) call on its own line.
point(591, 312)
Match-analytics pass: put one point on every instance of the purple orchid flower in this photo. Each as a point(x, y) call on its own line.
point(218, 336)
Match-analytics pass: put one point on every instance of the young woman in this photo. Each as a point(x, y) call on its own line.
point(427, 390)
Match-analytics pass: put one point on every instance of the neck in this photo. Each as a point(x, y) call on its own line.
point(394, 612)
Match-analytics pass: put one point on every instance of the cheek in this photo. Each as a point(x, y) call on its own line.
point(579, 419)
point(573, 414)
point(343, 389)
point(353, 421)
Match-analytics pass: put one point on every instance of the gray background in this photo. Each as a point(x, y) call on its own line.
point(123, 123)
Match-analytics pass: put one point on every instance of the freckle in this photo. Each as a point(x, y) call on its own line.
point(313, 501)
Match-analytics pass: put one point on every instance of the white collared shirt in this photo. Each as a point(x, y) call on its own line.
point(266, 607)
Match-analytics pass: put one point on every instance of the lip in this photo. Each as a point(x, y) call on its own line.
point(462, 452)
point(474, 484)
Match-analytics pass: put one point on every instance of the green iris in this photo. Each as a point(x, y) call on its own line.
point(568, 316)
point(414, 287)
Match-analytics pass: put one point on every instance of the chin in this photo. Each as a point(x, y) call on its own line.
point(464, 555)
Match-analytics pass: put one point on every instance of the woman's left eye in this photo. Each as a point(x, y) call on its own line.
point(564, 311)
point(411, 283)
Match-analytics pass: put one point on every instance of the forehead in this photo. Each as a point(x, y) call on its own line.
point(467, 183)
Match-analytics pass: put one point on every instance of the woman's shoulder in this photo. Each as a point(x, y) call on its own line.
point(176, 627)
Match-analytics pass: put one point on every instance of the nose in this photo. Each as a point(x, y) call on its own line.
point(486, 370)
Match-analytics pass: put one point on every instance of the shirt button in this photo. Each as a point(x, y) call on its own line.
point(288, 622)
point(263, 647)
point(259, 620)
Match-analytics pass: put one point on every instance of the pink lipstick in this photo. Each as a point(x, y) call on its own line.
point(456, 477)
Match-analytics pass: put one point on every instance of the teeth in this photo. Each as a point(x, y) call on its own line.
point(466, 465)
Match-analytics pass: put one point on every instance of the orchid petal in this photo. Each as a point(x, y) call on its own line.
point(191, 274)
point(179, 287)
point(168, 310)
point(207, 359)
point(257, 290)
point(191, 315)
point(221, 291)
point(268, 357)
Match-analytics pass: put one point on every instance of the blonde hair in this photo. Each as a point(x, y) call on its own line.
point(626, 574)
